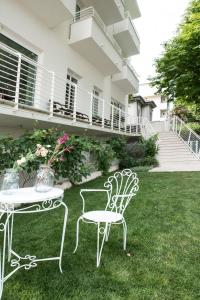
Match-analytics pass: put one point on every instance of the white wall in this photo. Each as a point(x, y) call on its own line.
point(20, 24)
point(149, 94)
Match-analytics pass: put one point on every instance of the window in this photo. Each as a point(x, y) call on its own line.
point(70, 90)
point(95, 103)
point(163, 99)
point(8, 72)
point(163, 113)
point(78, 15)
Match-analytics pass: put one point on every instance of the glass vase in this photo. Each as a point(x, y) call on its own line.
point(44, 179)
point(10, 182)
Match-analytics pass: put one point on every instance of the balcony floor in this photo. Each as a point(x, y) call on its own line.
point(23, 118)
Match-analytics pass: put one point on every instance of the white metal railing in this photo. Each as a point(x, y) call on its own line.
point(26, 84)
point(91, 12)
point(189, 137)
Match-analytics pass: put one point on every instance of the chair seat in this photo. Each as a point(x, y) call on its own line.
point(102, 216)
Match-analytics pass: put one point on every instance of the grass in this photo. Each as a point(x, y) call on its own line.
point(162, 260)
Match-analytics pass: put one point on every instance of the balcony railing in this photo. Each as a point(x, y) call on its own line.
point(91, 12)
point(27, 85)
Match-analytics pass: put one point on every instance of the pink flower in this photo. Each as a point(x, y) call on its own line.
point(63, 139)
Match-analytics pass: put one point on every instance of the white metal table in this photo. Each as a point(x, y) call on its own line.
point(33, 202)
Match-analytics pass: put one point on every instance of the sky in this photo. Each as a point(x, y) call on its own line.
point(157, 24)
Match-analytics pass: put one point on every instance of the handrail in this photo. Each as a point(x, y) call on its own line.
point(187, 134)
point(91, 12)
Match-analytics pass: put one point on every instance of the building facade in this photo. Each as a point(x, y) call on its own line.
point(66, 63)
point(140, 109)
point(162, 108)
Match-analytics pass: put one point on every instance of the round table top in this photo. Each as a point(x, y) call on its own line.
point(29, 195)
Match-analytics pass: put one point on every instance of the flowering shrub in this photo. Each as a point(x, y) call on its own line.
point(30, 150)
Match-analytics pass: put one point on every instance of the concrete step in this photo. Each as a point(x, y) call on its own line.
point(170, 160)
point(175, 149)
point(168, 139)
point(174, 155)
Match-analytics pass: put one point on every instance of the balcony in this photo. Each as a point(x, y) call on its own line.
point(29, 92)
point(127, 80)
point(133, 8)
point(52, 13)
point(111, 11)
point(126, 35)
point(89, 36)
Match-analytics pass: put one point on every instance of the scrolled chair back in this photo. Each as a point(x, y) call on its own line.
point(122, 187)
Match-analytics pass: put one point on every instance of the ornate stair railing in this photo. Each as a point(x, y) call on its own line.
point(188, 136)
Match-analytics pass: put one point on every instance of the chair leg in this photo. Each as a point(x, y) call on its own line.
point(100, 248)
point(124, 234)
point(108, 232)
point(77, 234)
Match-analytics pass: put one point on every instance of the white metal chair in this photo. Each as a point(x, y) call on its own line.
point(120, 189)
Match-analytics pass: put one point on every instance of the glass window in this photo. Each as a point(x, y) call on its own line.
point(163, 113)
point(70, 91)
point(95, 103)
point(163, 99)
point(8, 72)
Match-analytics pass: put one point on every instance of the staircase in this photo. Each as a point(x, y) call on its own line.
point(174, 154)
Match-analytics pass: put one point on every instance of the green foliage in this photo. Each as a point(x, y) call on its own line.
point(141, 153)
point(72, 165)
point(178, 75)
point(117, 144)
point(195, 126)
point(150, 146)
point(104, 155)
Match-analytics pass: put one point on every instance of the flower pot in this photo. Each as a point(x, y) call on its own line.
point(44, 179)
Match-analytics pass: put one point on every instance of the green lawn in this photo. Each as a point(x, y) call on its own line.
point(163, 260)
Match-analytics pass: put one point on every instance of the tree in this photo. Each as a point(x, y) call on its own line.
point(178, 69)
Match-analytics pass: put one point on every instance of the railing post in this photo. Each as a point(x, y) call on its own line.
point(112, 117)
point(196, 147)
point(125, 122)
point(91, 108)
point(103, 110)
point(189, 139)
point(75, 102)
point(180, 129)
point(173, 124)
point(52, 93)
point(119, 122)
point(18, 81)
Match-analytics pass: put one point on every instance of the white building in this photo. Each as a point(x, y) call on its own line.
point(140, 109)
point(65, 63)
point(162, 106)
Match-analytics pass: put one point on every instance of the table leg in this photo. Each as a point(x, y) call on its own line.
point(63, 235)
point(3, 229)
point(10, 236)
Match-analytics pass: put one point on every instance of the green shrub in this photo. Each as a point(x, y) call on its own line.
point(150, 146)
point(136, 150)
point(141, 153)
point(127, 162)
point(117, 144)
point(104, 156)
